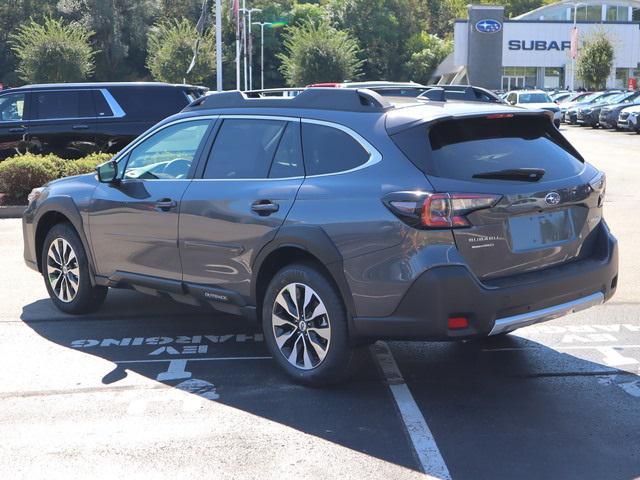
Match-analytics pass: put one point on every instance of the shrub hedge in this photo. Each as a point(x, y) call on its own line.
point(22, 173)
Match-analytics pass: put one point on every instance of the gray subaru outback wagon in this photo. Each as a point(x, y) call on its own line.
point(335, 218)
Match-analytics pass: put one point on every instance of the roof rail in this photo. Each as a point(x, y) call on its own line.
point(342, 99)
point(436, 94)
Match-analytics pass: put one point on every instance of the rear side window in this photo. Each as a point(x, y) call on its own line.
point(244, 148)
point(459, 149)
point(330, 150)
point(102, 107)
point(149, 103)
point(287, 161)
point(63, 104)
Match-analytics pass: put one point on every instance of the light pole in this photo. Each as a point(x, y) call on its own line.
point(262, 25)
point(250, 47)
point(219, 45)
point(574, 32)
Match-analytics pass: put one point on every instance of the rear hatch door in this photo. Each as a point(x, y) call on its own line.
point(547, 207)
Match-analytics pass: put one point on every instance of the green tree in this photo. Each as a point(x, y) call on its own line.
point(318, 53)
point(171, 50)
point(12, 14)
point(595, 61)
point(53, 52)
point(426, 53)
point(376, 26)
point(121, 28)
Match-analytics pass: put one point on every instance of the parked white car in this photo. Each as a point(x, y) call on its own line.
point(535, 100)
point(628, 119)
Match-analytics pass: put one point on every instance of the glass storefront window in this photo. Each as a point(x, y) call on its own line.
point(594, 13)
point(622, 77)
point(617, 13)
point(520, 76)
point(636, 14)
point(554, 77)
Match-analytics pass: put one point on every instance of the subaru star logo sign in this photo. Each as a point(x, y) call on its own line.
point(488, 26)
point(552, 198)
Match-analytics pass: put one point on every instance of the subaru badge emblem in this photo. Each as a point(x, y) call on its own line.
point(488, 26)
point(552, 198)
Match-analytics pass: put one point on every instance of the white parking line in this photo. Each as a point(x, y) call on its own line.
point(558, 347)
point(421, 437)
point(193, 359)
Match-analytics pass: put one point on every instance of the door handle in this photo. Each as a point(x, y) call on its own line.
point(264, 207)
point(80, 127)
point(166, 204)
point(17, 130)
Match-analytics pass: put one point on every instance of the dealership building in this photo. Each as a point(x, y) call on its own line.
point(534, 49)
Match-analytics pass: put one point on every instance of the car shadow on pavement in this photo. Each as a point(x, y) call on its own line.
point(501, 408)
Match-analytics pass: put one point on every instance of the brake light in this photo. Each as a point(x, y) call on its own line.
point(437, 210)
point(494, 116)
point(449, 210)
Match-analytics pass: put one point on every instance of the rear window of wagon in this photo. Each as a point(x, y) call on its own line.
point(461, 148)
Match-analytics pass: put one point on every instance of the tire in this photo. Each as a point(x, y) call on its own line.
point(324, 338)
point(70, 290)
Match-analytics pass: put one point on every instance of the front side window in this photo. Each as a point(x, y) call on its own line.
point(168, 153)
point(12, 107)
point(330, 150)
point(63, 104)
point(244, 148)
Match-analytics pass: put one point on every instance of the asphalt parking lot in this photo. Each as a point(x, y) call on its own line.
point(150, 388)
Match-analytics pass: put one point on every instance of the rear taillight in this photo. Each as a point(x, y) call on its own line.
point(438, 210)
point(599, 185)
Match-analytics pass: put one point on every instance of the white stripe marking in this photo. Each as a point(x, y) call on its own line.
point(557, 347)
point(176, 371)
point(198, 359)
point(614, 358)
point(421, 437)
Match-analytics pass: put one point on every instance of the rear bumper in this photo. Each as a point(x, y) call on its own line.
point(496, 306)
point(509, 324)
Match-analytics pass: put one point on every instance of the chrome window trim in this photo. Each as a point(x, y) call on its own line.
point(116, 109)
point(374, 155)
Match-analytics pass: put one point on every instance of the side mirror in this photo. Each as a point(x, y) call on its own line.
point(108, 172)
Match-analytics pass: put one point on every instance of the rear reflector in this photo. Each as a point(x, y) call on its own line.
point(457, 323)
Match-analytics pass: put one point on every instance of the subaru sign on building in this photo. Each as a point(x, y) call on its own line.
point(534, 49)
point(488, 26)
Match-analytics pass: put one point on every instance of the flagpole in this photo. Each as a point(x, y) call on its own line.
point(250, 50)
point(236, 15)
point(244, 41)
point(262, 25)
point(219, 45)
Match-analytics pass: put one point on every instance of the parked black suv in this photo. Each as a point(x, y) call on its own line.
point(335, 218)
point(73, 120)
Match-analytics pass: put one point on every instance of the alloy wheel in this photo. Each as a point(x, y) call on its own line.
point(301, 326)
point(63, 270)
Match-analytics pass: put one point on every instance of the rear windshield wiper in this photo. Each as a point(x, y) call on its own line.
point(521, 174)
